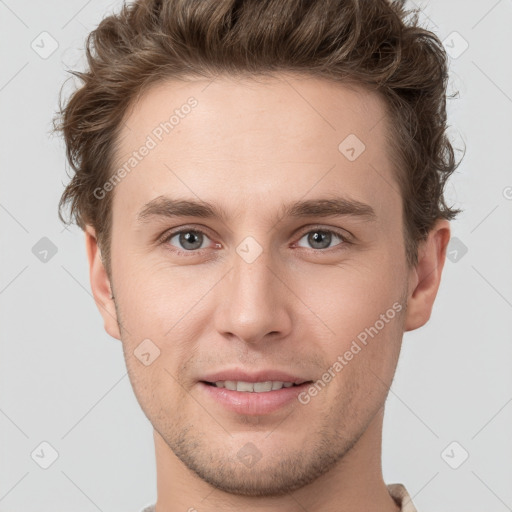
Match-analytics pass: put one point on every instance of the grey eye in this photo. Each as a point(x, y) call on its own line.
point(321, 239)
point(189, 240)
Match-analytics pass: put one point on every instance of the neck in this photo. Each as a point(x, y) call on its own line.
point(354, 484)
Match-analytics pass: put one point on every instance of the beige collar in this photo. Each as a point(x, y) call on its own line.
point(399, 493)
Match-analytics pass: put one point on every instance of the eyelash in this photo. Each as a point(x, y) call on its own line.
point(164, 239)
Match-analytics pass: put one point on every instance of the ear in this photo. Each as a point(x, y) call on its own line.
point(425, 277)
point(100, 284)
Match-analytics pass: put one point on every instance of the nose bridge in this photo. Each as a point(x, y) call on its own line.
point(253, 302)
point(253, 277)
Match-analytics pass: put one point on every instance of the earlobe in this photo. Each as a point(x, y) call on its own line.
point(426, 276)
point(100, 284)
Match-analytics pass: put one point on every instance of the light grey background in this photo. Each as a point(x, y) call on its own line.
point(63, 379)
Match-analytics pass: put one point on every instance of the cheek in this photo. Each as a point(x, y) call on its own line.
point(167, 309)
point(155, 297)
point(359, 324)
point(348, 297)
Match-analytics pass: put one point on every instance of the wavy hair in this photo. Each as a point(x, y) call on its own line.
point(374, 43)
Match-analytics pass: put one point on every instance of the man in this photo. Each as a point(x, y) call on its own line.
point(261, 188)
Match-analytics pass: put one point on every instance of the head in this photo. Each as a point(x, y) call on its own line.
point(311, 139)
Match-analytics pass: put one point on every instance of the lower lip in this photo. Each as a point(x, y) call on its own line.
point(245, 402)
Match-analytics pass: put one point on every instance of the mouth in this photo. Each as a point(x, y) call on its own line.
point(254, 387)
point(253, 398)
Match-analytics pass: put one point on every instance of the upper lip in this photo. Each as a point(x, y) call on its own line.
point(259, 376)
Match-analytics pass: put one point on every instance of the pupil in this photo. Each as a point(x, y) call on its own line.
point(188, 238)
point(319, 237)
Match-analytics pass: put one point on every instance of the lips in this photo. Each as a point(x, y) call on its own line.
point(259, 376)
point(247, 392)
point(252, 403)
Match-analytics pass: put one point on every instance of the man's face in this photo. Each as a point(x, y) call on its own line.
point(264, 287)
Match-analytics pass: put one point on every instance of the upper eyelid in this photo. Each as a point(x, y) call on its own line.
point(337, 231)
point(176, 231)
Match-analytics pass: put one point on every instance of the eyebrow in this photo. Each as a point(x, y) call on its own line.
point(163, 206)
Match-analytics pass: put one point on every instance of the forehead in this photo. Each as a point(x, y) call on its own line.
point(295, 106)
point(273, 136)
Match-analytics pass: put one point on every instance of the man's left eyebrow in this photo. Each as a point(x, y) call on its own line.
point(335, 207)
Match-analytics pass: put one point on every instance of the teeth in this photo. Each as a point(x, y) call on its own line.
point(244, 386)
point(262, 386)
point(253, 387)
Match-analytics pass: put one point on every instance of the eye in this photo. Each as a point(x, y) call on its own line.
point(187, 239)
point(322, 238)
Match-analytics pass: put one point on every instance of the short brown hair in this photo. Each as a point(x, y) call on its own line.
point(375, 43)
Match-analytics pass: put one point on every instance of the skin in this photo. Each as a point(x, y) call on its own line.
point(250, 147)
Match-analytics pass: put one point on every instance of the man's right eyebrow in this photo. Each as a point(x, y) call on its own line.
point(166, 207)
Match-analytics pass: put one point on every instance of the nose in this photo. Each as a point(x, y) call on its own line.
point(254, 303)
